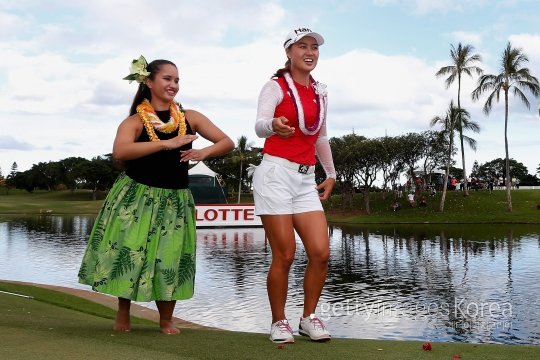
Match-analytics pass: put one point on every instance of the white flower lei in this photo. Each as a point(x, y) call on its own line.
point(320, 90)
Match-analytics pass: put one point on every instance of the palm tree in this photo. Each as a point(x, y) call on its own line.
point(240, 156)
point(513, 77)
point(462, 63)
point(448, 124)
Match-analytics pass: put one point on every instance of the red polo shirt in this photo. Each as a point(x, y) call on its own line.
point(299, 147)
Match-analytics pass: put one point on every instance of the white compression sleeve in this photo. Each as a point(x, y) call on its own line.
point(270, 96)
point(324, 153)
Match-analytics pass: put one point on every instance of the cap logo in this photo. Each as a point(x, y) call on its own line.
point(296, 32)
point(302, 30)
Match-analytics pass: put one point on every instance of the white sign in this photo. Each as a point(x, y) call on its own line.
point(225, 215)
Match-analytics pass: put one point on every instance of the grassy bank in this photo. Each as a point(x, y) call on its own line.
point(53, 202)
point(479, 207)
point(53, 325)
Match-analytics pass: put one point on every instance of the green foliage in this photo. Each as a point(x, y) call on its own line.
point(390, 158)
point(232, 167)
point(72, 173)
point(513, 79)
point(496, 169)
point(435, 150)
point(463, 61)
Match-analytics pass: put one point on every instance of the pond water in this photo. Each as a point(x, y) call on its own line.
point(474, 283)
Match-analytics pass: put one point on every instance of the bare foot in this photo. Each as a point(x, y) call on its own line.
point(121, 327)
point(167, 327)
point(122, 323)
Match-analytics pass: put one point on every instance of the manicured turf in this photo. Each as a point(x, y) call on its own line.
point(49, 327)
point(479, 208)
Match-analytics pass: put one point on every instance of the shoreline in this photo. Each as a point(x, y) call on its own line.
point(111, 302)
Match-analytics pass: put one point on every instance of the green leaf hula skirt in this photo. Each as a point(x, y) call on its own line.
point(142, 245)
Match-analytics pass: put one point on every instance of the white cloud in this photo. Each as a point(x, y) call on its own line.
point(424, 7)
point(466, 37)
point(373, 91)
point(61, 87)
point(10, 143)
point(530, 44)
point(45, 83)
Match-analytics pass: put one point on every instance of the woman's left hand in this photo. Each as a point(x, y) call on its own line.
point(193, 155)
point(325, 188)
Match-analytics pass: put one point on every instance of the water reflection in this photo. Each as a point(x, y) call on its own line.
point(438, 283)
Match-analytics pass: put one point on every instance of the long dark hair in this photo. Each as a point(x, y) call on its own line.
point(143, 92)
point(287, 68)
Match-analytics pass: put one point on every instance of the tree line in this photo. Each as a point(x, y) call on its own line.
point(360, 162)
point(70, 173)
point(363, 165)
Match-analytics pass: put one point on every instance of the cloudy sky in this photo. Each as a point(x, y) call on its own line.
point(62, 93)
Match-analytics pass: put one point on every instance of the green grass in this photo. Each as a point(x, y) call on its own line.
point(480, 207)
point(55, 202)
point(64, 300)
point(54, 325)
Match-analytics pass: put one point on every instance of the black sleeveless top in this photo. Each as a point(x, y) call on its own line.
point(162, 169)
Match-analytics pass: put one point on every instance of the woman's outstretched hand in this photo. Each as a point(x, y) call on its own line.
point(280, 127)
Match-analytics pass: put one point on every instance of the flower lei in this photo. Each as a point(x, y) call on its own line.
point(320, 89)
point(151, 121)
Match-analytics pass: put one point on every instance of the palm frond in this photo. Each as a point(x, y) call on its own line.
point(489, 102)
point(445, 70)
point(517, 92)
point(470, 141)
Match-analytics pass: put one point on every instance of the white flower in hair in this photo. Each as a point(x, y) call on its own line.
point(139, 71)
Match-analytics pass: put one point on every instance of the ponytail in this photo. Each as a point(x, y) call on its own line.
point(279, 73)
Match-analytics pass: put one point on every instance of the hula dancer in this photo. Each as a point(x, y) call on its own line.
point(142, 245)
